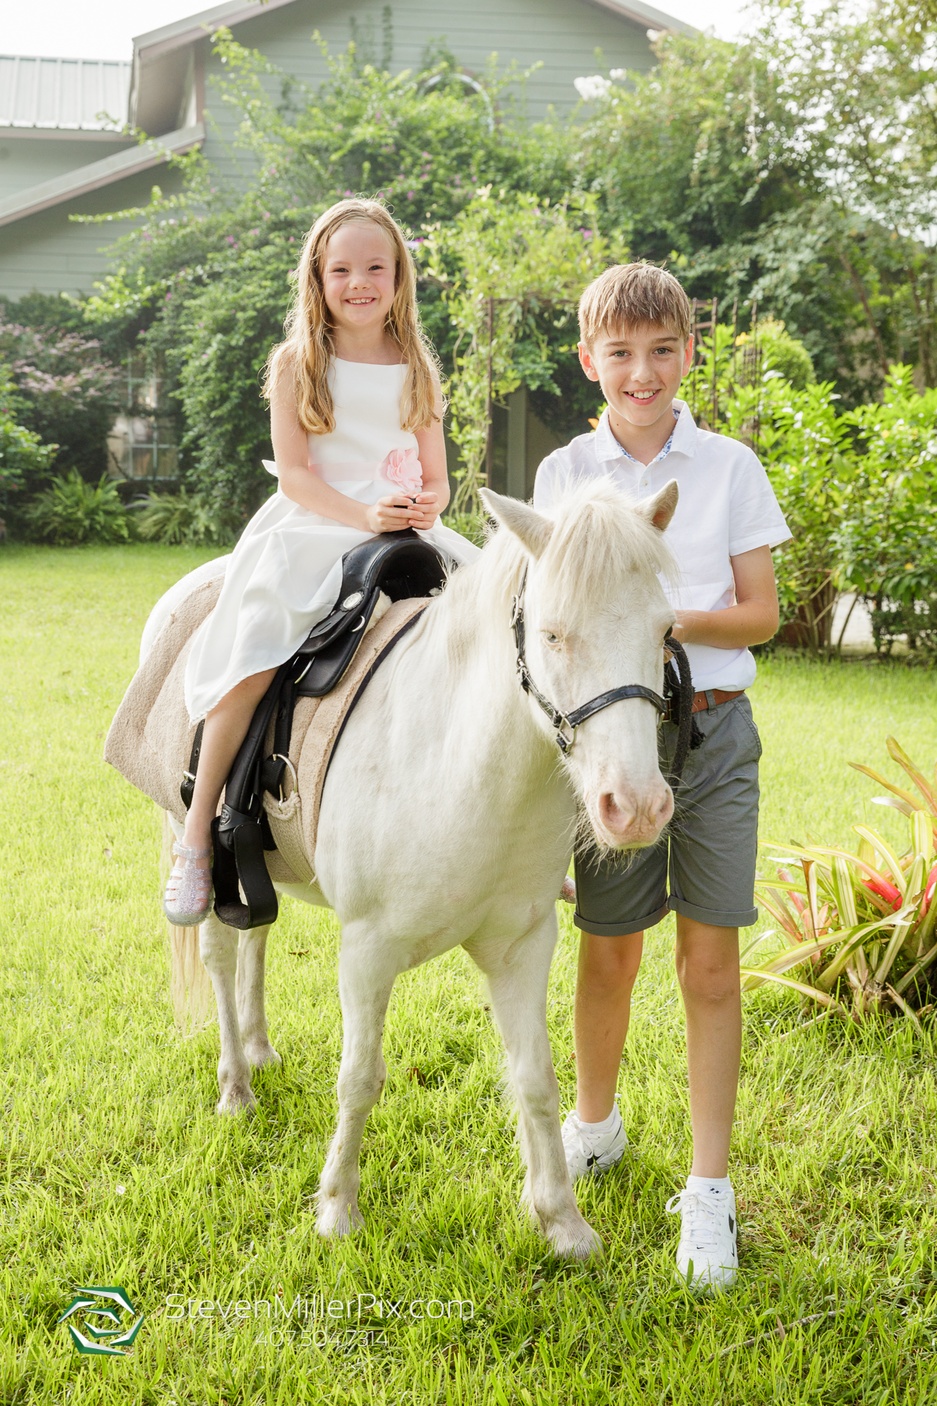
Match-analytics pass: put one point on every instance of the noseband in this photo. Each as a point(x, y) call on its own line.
point(676, 706)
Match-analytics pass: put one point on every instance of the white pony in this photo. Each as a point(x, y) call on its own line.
point(449, 811)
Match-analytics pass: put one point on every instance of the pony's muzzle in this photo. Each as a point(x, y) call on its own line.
point(625, 819)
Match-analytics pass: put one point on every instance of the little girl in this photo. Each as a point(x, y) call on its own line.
point(356, 424)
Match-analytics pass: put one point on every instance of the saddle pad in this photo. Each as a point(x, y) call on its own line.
point(317, 723)
point(150, 739)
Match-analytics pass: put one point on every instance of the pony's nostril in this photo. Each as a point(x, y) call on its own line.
point(615, 816)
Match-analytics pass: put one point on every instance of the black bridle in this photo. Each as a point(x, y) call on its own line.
point(675, 706)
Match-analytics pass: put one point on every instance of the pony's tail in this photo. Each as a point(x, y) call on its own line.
point(190, 988)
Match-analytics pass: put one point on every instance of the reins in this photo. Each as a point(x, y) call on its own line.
point(675, 706)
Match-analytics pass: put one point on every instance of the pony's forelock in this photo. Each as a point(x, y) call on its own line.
point(598, 542)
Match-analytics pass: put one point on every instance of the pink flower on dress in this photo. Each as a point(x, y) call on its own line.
point(402, 468)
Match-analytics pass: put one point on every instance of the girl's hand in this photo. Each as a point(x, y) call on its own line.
point(425, 511)
point(389, 515)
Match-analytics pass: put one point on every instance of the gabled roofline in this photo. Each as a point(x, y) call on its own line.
point(159, 44)
point(174, 36)
point(162, 52)
point(646, 16)
point(100, 173)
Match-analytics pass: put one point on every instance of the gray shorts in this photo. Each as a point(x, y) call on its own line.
point(704, 865)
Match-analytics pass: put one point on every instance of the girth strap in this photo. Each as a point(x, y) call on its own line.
point(239, 834)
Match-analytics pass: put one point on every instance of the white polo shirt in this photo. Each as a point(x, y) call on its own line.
point(726, 507)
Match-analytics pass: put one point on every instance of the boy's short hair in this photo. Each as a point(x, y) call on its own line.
point(634, 295)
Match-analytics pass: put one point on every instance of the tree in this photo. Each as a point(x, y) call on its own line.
point(794, 171)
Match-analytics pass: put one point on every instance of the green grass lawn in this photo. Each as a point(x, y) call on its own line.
point(117, 1171)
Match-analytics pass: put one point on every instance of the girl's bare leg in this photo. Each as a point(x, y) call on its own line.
point(225, 729)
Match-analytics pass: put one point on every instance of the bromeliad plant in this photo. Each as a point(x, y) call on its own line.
point(861, 928)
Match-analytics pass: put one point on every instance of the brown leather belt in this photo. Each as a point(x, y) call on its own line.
point(712, 697)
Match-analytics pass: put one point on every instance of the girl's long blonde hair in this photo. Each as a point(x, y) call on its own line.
point(307, 349)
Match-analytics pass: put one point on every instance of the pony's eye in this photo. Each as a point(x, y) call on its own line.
point(551, 638)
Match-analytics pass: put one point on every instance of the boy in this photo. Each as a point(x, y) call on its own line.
point(635, 324)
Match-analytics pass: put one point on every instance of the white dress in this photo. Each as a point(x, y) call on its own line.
point(285, 572)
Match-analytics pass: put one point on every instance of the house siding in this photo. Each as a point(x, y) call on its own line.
point(49, 253)
point(567, 38)
point(563, 34)
point(27, 161)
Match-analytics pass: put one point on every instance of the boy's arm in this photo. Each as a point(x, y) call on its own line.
point(754, 617)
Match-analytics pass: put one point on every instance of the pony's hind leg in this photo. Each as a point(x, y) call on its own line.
point(252, 1018)
point(365, 978)
point(219, 950)
point(517, 972)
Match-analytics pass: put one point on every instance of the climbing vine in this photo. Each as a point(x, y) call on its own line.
point(511, 268)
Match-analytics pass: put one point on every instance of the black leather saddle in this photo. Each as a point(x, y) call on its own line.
point(399, 564)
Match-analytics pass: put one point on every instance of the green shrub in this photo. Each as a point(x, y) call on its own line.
point(23, 459)
point(183, 518)
point(890, 537)
point(72, 512)
point(860, 928)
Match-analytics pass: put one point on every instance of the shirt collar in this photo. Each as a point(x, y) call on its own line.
point(682, 441)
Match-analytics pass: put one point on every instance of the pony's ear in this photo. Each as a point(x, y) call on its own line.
point(660, 509)
point(533, 529)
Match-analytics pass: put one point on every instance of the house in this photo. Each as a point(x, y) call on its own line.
point(90, 139)
point(68, 127)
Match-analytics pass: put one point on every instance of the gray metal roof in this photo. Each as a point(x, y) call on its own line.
point(63, 93)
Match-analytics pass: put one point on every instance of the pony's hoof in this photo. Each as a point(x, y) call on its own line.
point(335, 1219)
point(261, 1052)
point(239, 1098)
point(575, 1242)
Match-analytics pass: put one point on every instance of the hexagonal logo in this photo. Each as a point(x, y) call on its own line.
point(103, 1321)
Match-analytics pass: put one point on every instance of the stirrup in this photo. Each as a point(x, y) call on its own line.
point(188, 896)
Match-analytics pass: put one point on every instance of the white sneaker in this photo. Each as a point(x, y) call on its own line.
point(589, 1154)
point(707, 1256)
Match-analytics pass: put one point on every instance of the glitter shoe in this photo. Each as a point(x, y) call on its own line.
point(188, 896)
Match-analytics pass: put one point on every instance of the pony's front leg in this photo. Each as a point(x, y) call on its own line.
point(365, 978)
point(218, 945)
point(517, 970)
point(252, 1018)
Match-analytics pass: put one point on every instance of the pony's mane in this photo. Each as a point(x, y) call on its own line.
point(598, 543)
point(482, 590)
